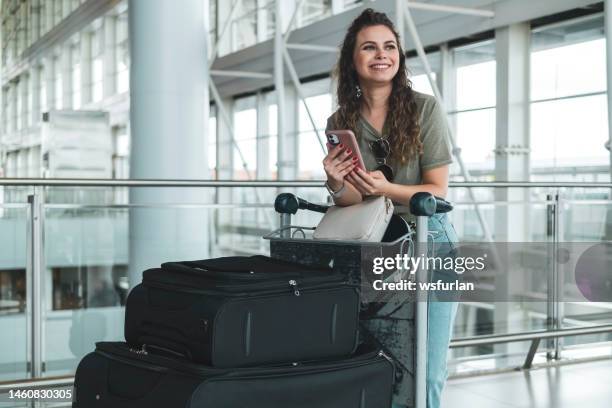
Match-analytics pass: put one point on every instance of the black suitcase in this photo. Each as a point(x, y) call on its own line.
point(115, 376)
point(244, 311)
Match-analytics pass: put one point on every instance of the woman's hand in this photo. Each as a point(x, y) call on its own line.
point(369, 183)
point(337, 164)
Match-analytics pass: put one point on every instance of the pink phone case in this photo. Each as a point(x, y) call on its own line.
point(347, 138)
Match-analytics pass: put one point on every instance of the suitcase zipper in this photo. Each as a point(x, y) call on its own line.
point(248, 290)
point(294, 287)
point(125, 355)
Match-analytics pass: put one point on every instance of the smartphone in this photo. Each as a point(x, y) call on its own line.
point(347, 138)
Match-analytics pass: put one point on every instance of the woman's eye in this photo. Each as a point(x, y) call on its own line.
point(368, 47)
point(390, 47)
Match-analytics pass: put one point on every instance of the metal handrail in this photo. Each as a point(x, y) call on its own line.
point(516, 337)
point(458, 343)
point(535, 338)
point(268, 183)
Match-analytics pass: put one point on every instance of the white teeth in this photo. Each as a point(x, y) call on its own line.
point(379, 66)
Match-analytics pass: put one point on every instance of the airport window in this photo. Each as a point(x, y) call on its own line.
point(5, 110)
point(57, 11)
point(20, 102)
point(58, 84)
point(12, 291)
point(122, 53)
point(313, 10)
point(212, 24)
point(29, 100)
point(272, 141)
point(43, 89)
point(421, 84)
point(121, 154)
point(474, 112)
point(42, 17)
point(568, 101)
point(97, 67)
point(244, 24)
point(76, 76)
point(310, 154)
point(245, 134)
point(212, 145)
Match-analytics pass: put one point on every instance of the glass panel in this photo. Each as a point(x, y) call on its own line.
point(588, 219)
point(13, 324)
point(85, 282)
point(518, 222)
point(310, 154)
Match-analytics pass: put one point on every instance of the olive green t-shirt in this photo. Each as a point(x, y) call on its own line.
point(434, 136)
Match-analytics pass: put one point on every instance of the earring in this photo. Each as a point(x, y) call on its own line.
point(357, 91)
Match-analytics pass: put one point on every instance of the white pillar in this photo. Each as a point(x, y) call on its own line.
point(169, 106)
point(512, 135)
point(512, 126)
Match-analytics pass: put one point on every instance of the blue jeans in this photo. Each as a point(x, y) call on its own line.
point(441, 316)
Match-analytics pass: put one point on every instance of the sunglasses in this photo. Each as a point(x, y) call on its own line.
point(381, 150)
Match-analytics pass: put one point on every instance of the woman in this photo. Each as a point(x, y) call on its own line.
point(402, 137)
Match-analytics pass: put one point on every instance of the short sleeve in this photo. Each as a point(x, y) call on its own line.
point(434, 135)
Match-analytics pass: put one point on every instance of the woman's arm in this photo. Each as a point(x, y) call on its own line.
point(435, 181)
point(350, 195)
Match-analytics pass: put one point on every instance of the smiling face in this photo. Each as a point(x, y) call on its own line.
point(376, 56)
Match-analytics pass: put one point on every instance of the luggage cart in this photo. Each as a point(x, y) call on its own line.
point(294, 243)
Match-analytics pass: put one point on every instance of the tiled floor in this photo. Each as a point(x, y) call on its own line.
point(584, 385)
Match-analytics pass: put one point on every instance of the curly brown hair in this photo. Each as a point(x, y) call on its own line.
point(403, 119)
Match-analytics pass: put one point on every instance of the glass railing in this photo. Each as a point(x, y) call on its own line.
point(94, 245)
point(13, 291)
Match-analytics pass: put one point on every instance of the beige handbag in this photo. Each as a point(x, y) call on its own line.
point(365, 221)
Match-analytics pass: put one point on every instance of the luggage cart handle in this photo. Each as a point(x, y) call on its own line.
point(426, 204)
point(422, 203)
point(287, 203)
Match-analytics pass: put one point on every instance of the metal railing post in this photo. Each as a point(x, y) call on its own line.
point(559, 274)
point(420, 398)
point(551, 213)
point(34, 272)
